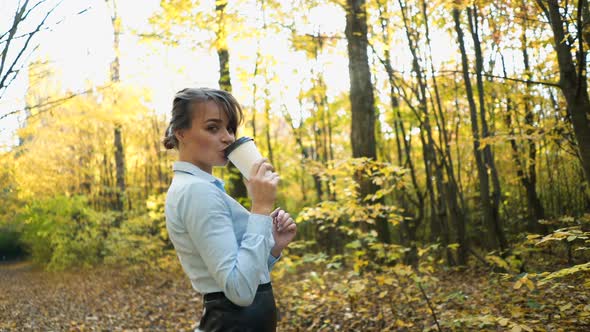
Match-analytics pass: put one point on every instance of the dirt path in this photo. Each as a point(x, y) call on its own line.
point(98, 300)
point(108, 300)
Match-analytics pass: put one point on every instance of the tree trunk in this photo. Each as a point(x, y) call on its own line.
point(120, 166)
point(487, 151)
point(162, 184)
point(412, 207)
point(534, 208)
point(237, 188)
point(267, 124)
point(320, 103)
point(573, 81)
point(118, 140)
point(315, 155)
point(528, 179)
point(434, 177)
point(254, 91)
point(484, 187)
point(361, 98)
point(326, 129)
point(449, 190)
point(304, 152)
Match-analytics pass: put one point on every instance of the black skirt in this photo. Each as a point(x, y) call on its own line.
point(221, 314)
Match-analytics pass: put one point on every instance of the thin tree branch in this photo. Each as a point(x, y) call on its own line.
point(429, 305)
point(31, 9)
point(505, 78)
point(17, 19)
point(388, 68)
point(544, 9)
point(15, 72)
point(44, 29)
point(49, 105)
point(10, 69)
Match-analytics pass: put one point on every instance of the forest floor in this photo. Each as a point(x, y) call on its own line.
point(108, 300)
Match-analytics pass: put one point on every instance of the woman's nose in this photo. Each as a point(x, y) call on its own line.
point(229, 137)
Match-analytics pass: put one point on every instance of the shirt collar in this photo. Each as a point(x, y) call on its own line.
point(186, 167)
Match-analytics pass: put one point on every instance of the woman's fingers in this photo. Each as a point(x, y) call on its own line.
point(265, 169)
point(291, 228)
point(274, 178)
point(284, 220)
point(262, 168)
point(274, 213)
point(285, 224)
point(283, 215)
point(276, 217)
point(281, 219)
point(256, 167)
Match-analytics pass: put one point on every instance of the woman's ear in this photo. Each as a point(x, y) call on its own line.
point(179, 133)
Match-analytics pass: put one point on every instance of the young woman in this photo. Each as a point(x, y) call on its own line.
point(226, 251)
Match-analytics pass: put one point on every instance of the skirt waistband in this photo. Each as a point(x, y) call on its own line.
point(220, 295)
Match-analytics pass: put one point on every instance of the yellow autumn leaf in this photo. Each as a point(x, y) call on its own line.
point(516, 312)
point(401, 323)
point(529, 284)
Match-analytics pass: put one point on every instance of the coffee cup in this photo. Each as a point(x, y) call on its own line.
point(243, 154)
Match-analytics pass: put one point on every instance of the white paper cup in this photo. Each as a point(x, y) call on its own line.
point(243, 154)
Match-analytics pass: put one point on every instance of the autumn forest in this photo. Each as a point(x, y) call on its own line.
point(435, 156)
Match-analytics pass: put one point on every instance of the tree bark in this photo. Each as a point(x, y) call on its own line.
point(118, 140)
point(267, 124)
point(450, 191)
point(572, 81)
point(413, 217)
point(428, 152)
point(528, 177)
point(488, 157)
point(237, 188)
point(361, 98)
point(484, 187)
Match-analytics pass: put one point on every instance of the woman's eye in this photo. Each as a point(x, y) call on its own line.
point(212, 128)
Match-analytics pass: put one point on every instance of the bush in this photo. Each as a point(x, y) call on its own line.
point(63, 232)
point(10, 245)
point(142, 241)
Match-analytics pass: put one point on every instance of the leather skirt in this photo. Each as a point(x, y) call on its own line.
point(220, 314)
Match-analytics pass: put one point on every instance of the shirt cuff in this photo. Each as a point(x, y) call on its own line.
point(259, 224)
point(272, 260)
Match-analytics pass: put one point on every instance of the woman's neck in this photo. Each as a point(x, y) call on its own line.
point(188, 159)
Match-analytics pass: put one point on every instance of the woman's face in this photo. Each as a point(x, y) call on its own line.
point(209, 135)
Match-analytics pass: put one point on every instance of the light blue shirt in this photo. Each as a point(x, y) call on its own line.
point(221, 245)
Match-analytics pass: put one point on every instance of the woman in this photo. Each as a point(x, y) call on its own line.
point(226, 251)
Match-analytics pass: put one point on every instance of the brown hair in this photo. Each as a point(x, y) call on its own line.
point(182, 112)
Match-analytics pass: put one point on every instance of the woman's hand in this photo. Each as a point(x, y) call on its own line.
point(284, 230)
point(262, 187)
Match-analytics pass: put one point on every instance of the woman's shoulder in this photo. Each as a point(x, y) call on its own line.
point(195, 185)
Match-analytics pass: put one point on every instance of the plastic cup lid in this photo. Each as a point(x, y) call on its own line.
point(237, 143)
